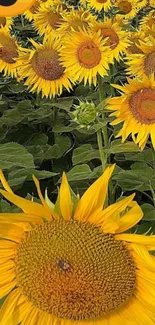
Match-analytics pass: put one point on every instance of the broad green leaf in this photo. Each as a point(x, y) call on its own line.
point(79, 173)
point(14, 154)
point(84, 153)
point(149, 211)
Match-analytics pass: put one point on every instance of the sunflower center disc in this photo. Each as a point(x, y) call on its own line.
point(149, 63)
point(73, 270)
point(125, 6)
point(88, 55)
point(113, 39)
point(8, 50)
point(142, 105)
point(46, 64)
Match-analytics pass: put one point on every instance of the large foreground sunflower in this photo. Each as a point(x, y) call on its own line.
point(42, 69)
point(85, 55)
point(75, 267)
point(8, 54)
point(136, 109)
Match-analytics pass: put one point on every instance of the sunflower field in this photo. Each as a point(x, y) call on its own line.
point(77, 162)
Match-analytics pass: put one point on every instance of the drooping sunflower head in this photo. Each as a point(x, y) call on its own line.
point(8, 54)
point(127, 8)
point(136, 109)
point(42, 69)
point(48, 20)
point(99, 5)
point(85, 54)
point(116, 38)
point(75, 266)
point(144, 63)
point(76, 20)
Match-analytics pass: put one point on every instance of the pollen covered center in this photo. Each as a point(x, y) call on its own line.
point(113, 39)
point(149, 63)
point(54, 19)
point(73, 270)
point(8, 49)
point(142, 105)
point(46, 64)
point(125, 6)
point(88, 55)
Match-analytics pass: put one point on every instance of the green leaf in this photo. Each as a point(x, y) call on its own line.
point(79, 173)
point(14, 154)
point(17, 177)
point(117, 146)
point(149, 211)
point(84, 153)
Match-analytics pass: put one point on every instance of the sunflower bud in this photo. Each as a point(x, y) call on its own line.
point(85, 114)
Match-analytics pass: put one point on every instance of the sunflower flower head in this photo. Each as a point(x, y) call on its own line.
point(78, 265)
point(136, 109)
point(115, 36)
point(85, 55)
point(77, 19)
point(142, 64)
point(48, 20)
point(42, 70)
point(8, 54)
point(127, 8)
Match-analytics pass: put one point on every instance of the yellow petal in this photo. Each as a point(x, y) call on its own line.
point(40, 194)
point(138, 239)
point(66, 205)
point(4, 182)
point(27, 206)
point(6, 288)
point(130, 218)
point(12, 232)
point(94, 198)
point(9, 305)
point(19, 217)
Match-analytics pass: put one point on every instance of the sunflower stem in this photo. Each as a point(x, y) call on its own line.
point(104, 128)
point(101, 151)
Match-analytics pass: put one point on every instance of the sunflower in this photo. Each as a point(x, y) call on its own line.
point(127, 8)
point(116, 38)
point(8, 54)
point(85, 55)
point(99, 5)
point(148, 21)
point(76, 20)
point(5, 23)
point(78, 266)
point(30, 14)
point(135, 38)
point(136, 109)
point(142, 64)
point(48, 20)
point(42, 68)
